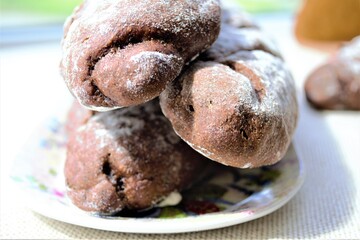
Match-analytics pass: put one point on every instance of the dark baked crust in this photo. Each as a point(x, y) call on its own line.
point(236, 17)
point(237, 104)
point(241, 112)
point(122, 53)
point(336, 84)
point(232, 40)
point(128, 158)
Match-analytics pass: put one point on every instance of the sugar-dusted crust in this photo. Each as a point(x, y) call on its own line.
point(120, 53)
point(237, 104)
point(232, 40)
point(235, 16)
point(77, 116)
point(336, 84)
point(127, 158)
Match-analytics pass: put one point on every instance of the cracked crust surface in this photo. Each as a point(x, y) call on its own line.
point(237, 104)
point(232, 40)
point(127, 159)
point(124, 52)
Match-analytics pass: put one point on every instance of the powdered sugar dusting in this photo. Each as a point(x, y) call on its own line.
point(117, 125)
point(248, 165)
point(255, 37)
point(253, 95)
point(149, 60)
point(129, 122)
point(350, 54)
point(238, 85)
point(275, 78)
point(201, 150)
point(80, 91)
point(114, 19)
point(149, 55)
point(236, 17)
point(231, 40)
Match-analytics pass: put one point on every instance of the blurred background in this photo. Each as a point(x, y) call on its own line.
point(31, 21)
point(32, 90)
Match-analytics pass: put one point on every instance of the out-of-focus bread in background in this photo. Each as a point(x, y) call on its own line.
point(328, 20)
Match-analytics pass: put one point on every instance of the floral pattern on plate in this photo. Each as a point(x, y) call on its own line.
point(248, 193)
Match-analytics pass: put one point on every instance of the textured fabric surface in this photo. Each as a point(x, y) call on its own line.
point(326, 207)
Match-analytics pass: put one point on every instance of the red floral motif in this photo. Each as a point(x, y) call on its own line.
point(200, 207)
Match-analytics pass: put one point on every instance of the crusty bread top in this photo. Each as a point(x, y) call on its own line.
point(105, 40)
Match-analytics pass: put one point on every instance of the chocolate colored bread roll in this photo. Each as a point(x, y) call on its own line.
point(232, 40)
point(77, 116)
point(236, 17)
point(237, 107)
point(127, 159)
point(336, 84)
point(121, 53)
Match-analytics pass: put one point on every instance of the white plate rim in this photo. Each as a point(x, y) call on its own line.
point(203, 222)
point(151, 226)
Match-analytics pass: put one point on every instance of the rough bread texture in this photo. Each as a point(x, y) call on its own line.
point(119, 53)
point(236, 105)
point(77, 116)
point(127, 159)
point(336, 84)
point(236, 17)
point(232, 40)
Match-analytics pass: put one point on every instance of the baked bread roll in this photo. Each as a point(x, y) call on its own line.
point(127, 159)
point(236, 17)
point(238, 110)
point(77, 116)
point(119, 53)
point(232, 40)
point(336, 84)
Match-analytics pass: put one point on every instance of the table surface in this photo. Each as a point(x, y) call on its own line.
point(326, 207)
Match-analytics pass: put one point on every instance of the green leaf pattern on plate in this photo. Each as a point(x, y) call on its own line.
point(218, 192)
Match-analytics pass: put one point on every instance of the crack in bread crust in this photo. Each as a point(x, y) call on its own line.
point(98, 30)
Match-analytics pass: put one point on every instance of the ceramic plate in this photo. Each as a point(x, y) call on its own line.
point(229, 197)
